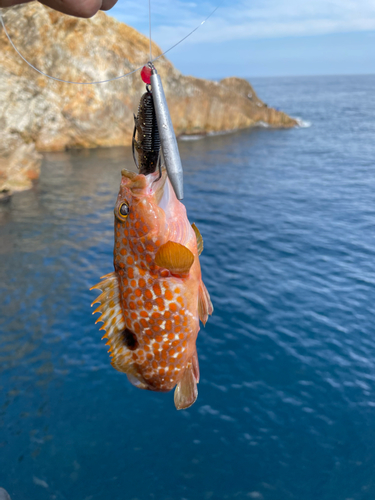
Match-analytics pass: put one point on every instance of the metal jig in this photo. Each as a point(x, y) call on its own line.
point(154, 127)
point(167, 136)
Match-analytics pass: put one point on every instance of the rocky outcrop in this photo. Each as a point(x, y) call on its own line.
point(19, 166)
point(38, 114)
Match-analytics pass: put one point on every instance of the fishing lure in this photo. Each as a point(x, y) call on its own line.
point(146, 124)
point(151, 304)
point(147, 143)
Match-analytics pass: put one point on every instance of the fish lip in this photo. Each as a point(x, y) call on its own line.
point(129, 174)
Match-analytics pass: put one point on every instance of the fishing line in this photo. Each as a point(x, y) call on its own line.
point(149, 23)
point(117, 77)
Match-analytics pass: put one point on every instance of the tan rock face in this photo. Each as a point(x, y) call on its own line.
point(39, 114)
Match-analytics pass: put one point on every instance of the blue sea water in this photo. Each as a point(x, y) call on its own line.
point(286, 406)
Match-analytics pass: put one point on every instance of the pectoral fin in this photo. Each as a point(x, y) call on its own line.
point(199, 238)
point(186, 391)
point(205, 307)
point(175, 257)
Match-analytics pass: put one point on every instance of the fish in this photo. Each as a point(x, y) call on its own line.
point(152, 303)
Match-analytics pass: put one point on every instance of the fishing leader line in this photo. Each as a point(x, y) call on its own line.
point(117, 77)
point(149, 25)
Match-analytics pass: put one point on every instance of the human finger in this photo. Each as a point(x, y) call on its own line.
point(108, 4)
point(80, 8)
point(10, 3)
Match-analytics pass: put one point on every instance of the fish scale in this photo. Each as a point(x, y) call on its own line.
point(153, 304)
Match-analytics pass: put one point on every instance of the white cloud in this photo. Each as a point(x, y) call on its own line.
point(244, 20)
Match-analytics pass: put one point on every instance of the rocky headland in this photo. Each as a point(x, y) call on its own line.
point(38, 114)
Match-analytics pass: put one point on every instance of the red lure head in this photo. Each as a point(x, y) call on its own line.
point(146, 74)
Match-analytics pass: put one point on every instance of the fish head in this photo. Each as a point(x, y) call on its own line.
point(137, 209)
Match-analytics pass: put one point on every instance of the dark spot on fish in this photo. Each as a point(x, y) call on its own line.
point(130, 339)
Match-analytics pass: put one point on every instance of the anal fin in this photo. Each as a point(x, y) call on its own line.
point(205, 307)
point(186, 392)
point(195, 363)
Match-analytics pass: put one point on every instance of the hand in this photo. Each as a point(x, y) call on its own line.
point(78, 8)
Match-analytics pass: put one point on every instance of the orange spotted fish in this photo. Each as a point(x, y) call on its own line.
point(151, 304)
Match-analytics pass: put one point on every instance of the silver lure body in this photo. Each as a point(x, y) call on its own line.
point(167, 136)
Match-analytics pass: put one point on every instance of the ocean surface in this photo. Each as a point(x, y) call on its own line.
point(286, 406)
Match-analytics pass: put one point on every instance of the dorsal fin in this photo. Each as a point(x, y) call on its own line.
point(113, 322)
point(175, 257)
point(186, 391)
point(205, 307)
point(199, 238)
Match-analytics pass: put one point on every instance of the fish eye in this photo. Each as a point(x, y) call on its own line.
point(124, 210)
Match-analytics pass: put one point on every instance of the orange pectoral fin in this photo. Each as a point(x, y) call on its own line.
point(205, 307)
point(175, 257)
point(186, 391)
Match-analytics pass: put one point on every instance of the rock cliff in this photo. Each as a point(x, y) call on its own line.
point(38, 114)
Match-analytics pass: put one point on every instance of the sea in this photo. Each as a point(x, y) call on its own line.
point(286, 406)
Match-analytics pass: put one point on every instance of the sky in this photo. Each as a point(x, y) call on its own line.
point(260, 37)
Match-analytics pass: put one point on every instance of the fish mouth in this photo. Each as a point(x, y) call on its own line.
point(160, 188)
point(128, 174)
point(154, 185)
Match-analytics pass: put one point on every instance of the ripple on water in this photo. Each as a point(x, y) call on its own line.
point(286, 401)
